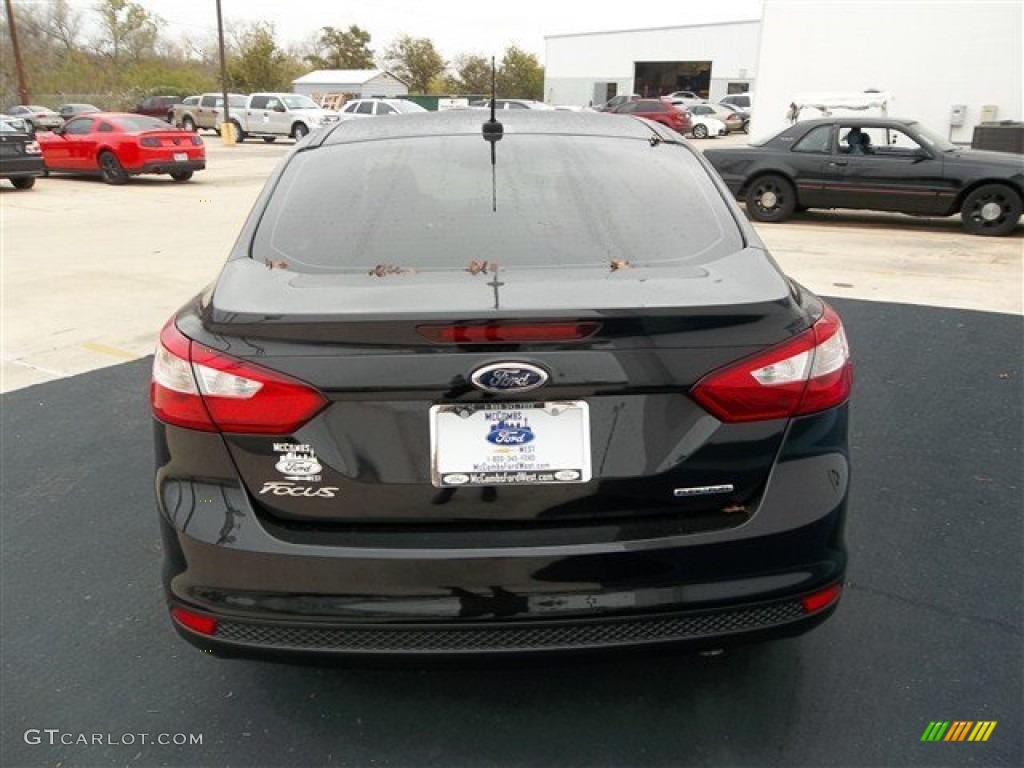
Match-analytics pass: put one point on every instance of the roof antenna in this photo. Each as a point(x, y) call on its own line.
point(493, 131)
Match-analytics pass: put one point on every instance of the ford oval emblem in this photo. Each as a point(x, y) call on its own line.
point(509, 377)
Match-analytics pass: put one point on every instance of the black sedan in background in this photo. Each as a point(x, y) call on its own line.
point(21, 160)
point(550, 393)
point(875, 164)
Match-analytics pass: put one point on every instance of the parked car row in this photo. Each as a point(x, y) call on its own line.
point(35, 117)
point(267, 116)
point(703, 119)
point(112, 145)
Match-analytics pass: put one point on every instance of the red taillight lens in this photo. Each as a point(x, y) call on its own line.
point(196, 140)
point(197, 388)
point(505, 333)
point(149, 141)
point(809, 373)
point(817, 600)
point(204, 625)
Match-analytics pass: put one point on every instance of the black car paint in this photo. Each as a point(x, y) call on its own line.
point(389, 552)
point(930, 183)
point(15, 162)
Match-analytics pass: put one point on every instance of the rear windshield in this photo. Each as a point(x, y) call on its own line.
point(142, 123)
point(429, 203)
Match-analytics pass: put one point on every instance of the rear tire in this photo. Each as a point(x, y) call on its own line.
point(189, 124)
point(270, 139)
point(700, 131)
point(111, 169)
point(240, 135)
point(299, 131)
point(991, 210)
point(25, 182)
point(181, 175)
point(770, 198)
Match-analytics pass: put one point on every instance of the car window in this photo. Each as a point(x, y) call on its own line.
point(385, 109)
point(818, 140)
point(236, 101)
point(141, 123)
point(296, 101)
point(656, 106)
point(406, 202)
point(208, 101)
point(352, 106)
point(898, 143)
point(629, 106)
point(515, 105)
point(106, 128)
point(78, 126)
point(365, 108)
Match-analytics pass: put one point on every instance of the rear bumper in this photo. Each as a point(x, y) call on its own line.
point(21, 167)
point(341, 595)
point(167, 166)
point(686, 631)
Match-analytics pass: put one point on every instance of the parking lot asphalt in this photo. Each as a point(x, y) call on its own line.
point(929, 627)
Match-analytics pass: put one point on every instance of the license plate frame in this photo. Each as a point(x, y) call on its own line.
point(181, 157)
point(492, 444)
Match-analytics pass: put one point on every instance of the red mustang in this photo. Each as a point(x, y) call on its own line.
point(117, 145)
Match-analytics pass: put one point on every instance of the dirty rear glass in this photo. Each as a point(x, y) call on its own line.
point(430, 203)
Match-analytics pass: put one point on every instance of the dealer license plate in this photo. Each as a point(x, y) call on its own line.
point(510, 443)
point(181, 157)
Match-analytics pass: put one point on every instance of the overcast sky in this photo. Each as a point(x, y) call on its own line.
point(456, 26)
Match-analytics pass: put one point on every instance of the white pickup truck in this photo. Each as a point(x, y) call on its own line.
point(269, 115)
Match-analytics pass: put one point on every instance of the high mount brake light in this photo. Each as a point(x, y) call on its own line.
point(506, 333)
point(198, 388)
point(807, 374)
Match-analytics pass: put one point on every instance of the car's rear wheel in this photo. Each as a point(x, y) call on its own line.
point(189, 124)
point(299, 131)
point(239, 133)
point(181, 175)
point(111, 169)
point(26, 182)
point(992, 210)
point(700, 131)
point(770, 198)
point(270, 139)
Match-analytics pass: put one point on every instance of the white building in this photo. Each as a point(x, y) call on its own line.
point(355, 83)
point(930, 55)
point(710, 59)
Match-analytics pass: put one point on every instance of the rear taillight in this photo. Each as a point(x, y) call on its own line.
point(198, 388)
point(204, 625)
point(506, 333)
point(149, 141)
point(815, 601)
point(195, 139)
point(807, 374)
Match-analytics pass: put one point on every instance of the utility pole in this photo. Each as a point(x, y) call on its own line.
point(18, 65)
point(226, 129)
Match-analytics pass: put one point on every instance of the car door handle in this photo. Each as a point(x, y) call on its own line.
point(839, 162)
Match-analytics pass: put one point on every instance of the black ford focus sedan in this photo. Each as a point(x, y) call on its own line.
point(470, 387)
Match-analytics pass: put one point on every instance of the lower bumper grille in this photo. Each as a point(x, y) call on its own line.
point(510, 637)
